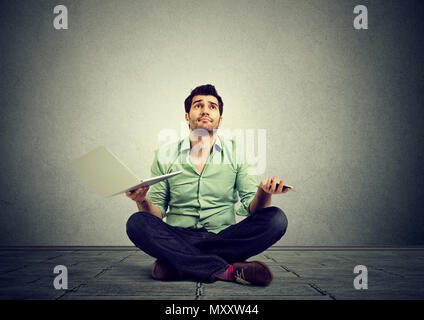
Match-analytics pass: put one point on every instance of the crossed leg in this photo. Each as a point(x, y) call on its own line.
point(204, 255)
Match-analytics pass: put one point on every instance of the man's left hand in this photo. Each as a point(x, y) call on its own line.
point(270, 186)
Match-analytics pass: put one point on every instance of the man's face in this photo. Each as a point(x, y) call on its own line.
point(204, 113)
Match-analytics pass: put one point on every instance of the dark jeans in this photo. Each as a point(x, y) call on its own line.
point(202, 254)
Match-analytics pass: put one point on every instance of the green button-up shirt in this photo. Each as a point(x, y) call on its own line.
point(206, 199)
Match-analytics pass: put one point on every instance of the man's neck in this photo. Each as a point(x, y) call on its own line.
point(201, 146)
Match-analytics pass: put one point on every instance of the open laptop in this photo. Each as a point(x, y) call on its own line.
point(106, 174)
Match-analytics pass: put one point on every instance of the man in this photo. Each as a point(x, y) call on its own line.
point(200, 237)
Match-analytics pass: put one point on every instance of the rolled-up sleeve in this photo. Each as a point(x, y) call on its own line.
point(246, 185)
point(159, 192)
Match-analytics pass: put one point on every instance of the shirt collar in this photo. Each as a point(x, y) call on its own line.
point(186, 144)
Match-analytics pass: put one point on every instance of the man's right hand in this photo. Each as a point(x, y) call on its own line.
point(138, 195)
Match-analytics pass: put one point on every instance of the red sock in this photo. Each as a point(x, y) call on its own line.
point(227, 274)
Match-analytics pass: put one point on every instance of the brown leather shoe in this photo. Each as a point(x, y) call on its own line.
point(164, 271)
point(252, 272)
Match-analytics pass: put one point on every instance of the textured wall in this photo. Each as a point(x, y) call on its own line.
point(343, 109)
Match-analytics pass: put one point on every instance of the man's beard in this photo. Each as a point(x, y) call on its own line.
point(210, 127)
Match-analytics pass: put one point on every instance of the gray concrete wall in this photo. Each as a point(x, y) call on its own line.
point(342, 109)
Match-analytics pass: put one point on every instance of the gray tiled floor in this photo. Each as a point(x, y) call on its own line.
point(298, 274)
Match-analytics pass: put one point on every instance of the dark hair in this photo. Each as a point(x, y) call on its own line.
point(206, 89)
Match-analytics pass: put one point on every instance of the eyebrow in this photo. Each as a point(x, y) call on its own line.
point(208, 101)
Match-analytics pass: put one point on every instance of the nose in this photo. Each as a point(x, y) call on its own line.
point(204, 112)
